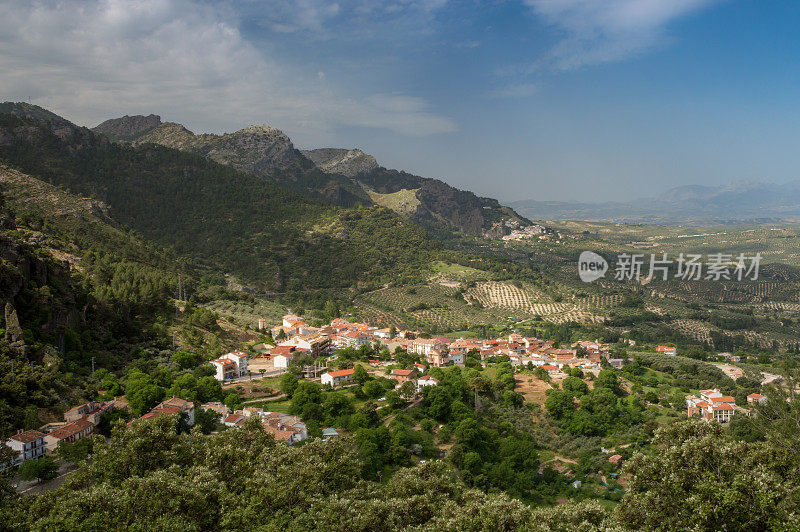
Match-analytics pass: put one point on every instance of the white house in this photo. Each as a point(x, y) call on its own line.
point(28, 445)
point(457, 357)
point(241, 359)
point(225, 368)
point(337, 378)
point(426, 380)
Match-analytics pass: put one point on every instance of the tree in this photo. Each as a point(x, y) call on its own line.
point(608, 378)
point(373, 389)
point(41, 469)
point(185, 359)
point(75, 452)
point(288, 384)
point(575, 386)
point(233, 401)
point(262, 371)
point(541, 374)
point(407, 390)
point(392, 331)
point(724, 486)
point(394, 399)
point(360, 374)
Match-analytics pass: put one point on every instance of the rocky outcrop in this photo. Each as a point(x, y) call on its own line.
point(350, 163)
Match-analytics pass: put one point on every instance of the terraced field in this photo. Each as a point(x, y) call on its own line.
point(692, 329)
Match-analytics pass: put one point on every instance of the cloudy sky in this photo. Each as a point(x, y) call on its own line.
point(542, 99)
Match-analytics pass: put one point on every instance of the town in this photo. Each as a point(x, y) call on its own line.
point(312, 353)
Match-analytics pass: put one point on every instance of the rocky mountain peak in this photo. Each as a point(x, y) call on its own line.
point(128, 128)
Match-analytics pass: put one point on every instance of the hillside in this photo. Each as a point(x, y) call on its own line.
point(339, 176)
point(234, 221)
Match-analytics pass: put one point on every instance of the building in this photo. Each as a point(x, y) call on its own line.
point(437, 358)
point(241, 358)
point(69, 433)
point(329, 434)
point(457, 356)
point(28, 445)
point(217, 407)
point(756, 398)
point(234, 420)
point(338, 378)
point(403, 375)
point(615, 460)
point(284, 427)
point(424, 381)
point(282, 355)
point(225, 369)
point(354, 339)
point(91, 411)
point(175, 405)
point(316, 344)
point(423, 346)
point(667, 350)
point(711, 406)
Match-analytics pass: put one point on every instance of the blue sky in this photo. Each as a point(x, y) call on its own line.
point(585, 100)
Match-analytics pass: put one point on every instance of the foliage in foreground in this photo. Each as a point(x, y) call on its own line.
point(149, 477)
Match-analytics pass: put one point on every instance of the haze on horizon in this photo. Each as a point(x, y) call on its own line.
point(586, 100)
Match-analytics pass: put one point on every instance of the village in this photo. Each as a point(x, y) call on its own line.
point(312, 354)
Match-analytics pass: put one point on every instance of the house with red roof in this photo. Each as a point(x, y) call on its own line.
point(338, 378)
point(403, 375)
point(27, 445)
point(69, 433)
point(754, 398)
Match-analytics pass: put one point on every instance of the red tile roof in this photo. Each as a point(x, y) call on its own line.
point(341, 372)
point(27, 436)
point(71, 428)
point(726, 399)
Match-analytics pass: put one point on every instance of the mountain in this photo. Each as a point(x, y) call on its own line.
point(228, 220)
point(344, 177)
point(429, 202)
point(259, 150)
point(735, 202)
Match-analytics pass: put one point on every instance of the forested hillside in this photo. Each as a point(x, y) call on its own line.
point(233, 221)
point(340, 177)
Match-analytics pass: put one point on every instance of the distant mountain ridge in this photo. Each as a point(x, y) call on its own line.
point(741, 201)
point(343, 177)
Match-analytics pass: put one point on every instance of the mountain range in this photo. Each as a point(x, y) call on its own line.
point(343, 177)
point(735, 202)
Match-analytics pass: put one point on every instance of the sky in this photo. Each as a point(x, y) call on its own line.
point(568, 100)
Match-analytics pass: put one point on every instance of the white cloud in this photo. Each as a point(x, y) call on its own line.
point(602, 31)
point(183, 59)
